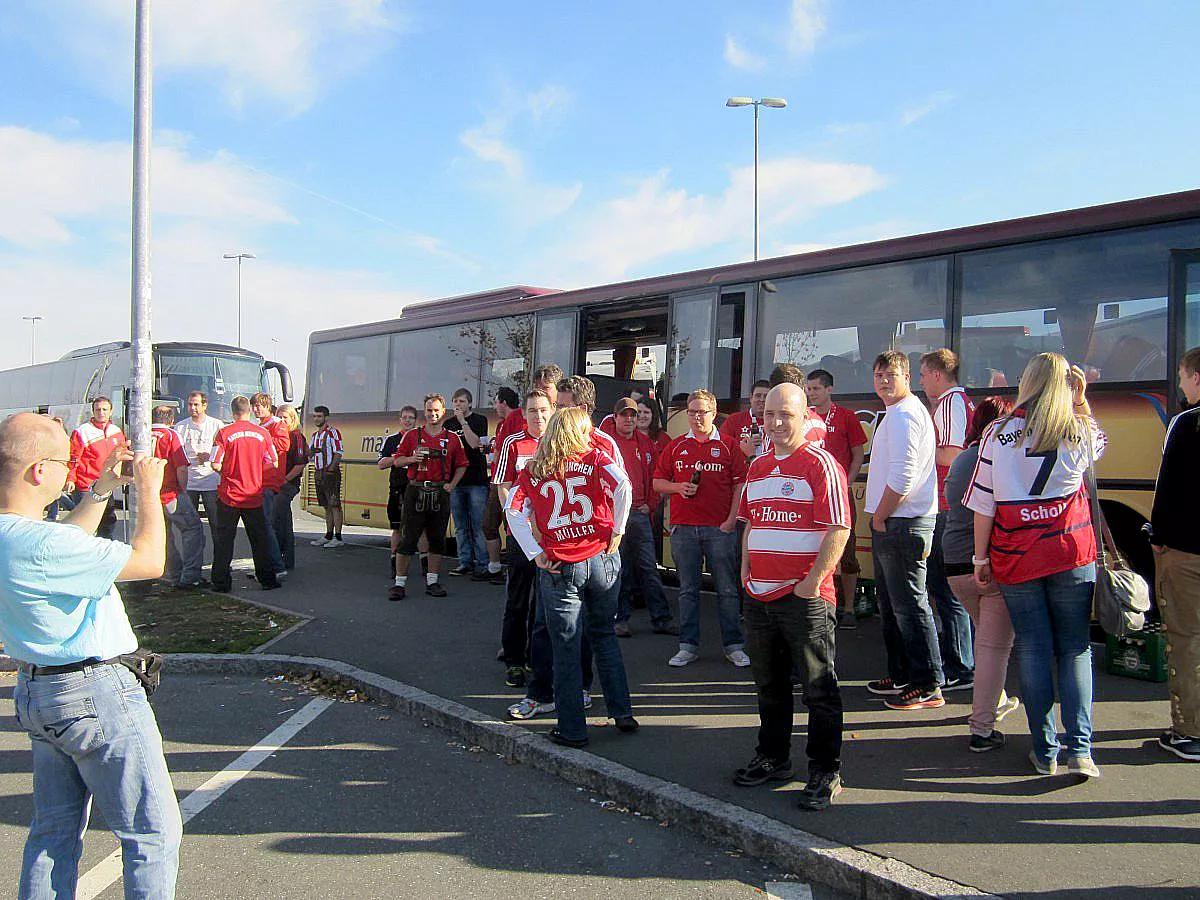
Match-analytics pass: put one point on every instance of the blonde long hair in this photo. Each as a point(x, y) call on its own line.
point(1045, 394)
point(567, 435)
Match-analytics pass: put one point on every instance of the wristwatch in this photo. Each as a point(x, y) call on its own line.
point(99, 498)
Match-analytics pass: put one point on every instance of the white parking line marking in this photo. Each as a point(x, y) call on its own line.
point(105, 873)
point(788, 890)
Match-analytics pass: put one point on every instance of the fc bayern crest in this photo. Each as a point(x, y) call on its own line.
point(788, 489)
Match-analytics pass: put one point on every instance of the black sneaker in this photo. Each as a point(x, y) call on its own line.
point(981, 744)
point(396, 592)
point(1180, 744)
point(481, 575)
point(515, 676)
point(964, 683)
point(627, 724)
point(846, 621)
point(557, 737)
point(667, 627)
point(820, 791)
point(461, 570)
point(916, 698)
point(885, 687)
point(760, 770)
point(497, 578)
point(435, 590)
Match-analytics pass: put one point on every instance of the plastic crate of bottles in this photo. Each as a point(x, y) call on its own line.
point(1142, 655)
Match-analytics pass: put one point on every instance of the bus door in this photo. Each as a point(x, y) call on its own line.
point(1184, 304)
point(625, 350)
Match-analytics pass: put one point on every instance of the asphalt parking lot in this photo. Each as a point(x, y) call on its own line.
point(365, 802)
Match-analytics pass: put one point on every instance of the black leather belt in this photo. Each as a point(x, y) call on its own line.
point(65, 669)
point(429, 485)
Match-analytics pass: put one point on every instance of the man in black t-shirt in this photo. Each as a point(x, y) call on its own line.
point(469, 500)
point(397, 479)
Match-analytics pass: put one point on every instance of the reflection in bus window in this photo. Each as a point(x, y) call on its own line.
point(691, 344)
point(1100, 300)
point(840, 321)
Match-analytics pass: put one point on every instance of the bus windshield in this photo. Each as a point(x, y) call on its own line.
point(221, 377)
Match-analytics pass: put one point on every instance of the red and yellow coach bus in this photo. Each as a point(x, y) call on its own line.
point(1112, 287)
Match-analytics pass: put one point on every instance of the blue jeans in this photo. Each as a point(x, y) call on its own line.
point(209, 501)
point(272, 541)
point(466, 506)
point(584, 591)
point(639, 566)
point(185, 562)
point(1051, 617)
point(900, 555)
point(94, 736)
point(691, 545)
point(281, 522)
point(955, 640)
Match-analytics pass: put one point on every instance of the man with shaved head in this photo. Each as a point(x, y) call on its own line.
point(797, 514)
point(92, 731)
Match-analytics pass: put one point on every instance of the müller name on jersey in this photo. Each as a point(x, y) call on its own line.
point(572, 532)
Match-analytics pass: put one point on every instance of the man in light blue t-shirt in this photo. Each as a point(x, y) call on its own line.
point(92, 731)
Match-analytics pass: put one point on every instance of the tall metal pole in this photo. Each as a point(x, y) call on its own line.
point(239, 342)
point(756, 105)
point(143, 360)
point(32, 320)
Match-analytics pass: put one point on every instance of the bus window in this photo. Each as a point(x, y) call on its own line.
point(1100, 300)
point(556, 341)
point(840, 321)
point(690, 351)
point(350, 376)
point(625, 348)
point(727, 357)
point(442, 360)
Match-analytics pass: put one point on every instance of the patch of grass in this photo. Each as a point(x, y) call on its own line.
point(195, 621)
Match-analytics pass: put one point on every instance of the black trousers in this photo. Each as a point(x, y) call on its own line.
point(255, 521)
point(519, 608)
point(778, 633)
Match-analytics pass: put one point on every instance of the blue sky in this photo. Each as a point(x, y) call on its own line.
point(375, 153)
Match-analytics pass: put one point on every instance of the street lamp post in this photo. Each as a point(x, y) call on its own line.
point(239, 257)
point(32, 320)
point(773, 103)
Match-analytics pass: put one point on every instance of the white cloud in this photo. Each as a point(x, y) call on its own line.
point(529, 199)
point(281, 51)
point(47, 184)
point(740, 58)
point(657, 220)
point(806, 24)
point(920, 110)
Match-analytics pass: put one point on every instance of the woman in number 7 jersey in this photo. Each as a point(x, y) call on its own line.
point(577, 498)
point(1034, 538)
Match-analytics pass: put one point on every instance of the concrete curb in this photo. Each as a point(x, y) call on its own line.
point(846, 869)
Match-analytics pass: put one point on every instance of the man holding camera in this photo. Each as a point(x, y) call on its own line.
point(93, 734)
point(436, 464)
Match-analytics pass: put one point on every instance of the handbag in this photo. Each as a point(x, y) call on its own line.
point(1121, 597)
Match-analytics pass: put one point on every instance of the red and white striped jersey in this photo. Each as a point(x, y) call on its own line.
point(951, 417)
point(576, 512)
point(324, 444)
point(515, 453)
point(1042, 519)
point(90, 447)
point(788, 505)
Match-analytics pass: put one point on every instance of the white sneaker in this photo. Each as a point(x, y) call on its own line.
point(335, 543)
point(1083, 765)
point(738, 658)
point(587, 699)
point(1007, 705)
point(319, 542)
point(682, 658)
point(528, 708)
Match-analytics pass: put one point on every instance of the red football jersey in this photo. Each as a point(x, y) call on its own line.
point(513, 422)
point(788, 504)
point(168, 447)
point(574, 512)
point(1042, 518)
point(440, 468)
point(512, 458)
point(722, 467)
point(843, 432)
point(281, 438)
point(244, 451)
point(637, 454)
